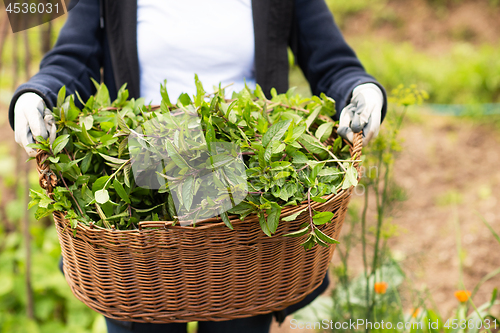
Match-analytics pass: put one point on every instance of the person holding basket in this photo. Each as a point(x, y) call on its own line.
point(238, 42)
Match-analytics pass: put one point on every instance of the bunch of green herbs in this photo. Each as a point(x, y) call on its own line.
point(286, 143)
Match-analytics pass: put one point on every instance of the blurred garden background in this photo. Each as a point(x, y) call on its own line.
point(423, 225)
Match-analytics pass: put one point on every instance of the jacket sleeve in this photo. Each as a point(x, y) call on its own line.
point(76, 57)
point(328, 63)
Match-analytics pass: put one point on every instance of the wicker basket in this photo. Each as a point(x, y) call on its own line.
point(163, 273)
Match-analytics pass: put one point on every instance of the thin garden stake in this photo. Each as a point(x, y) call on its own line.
point(27, 244)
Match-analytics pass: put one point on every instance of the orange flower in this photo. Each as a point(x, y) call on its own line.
point(415, 312)
point(462, 295)
point(380, 287)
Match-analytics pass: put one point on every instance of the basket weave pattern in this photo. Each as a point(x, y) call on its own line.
point(171, 273)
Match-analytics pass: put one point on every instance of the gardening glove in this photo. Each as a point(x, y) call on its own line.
point(32, 119)
point(364, 113)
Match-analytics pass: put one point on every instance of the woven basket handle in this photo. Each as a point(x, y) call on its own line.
point(356, 148)
point(46, 178)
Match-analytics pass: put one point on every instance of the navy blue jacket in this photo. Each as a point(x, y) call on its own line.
point(101, 35)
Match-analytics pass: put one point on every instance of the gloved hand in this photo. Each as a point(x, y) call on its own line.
point(364, 113)
point(32, 119)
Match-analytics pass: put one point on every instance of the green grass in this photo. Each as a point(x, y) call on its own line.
point(466, 74)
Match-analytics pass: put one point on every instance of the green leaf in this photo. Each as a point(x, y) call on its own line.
point(61, 96)
point(324, 237)
point(337, 144)
point(309, 243)
point(99, 183)
point(328, 108)
point(184, 99)
point(87, 120)
point(493, 297)
point(296, 133)
point(188, 192)
point(263, 224)
point(299, 157)
point(324, 131)
point(118, 216)
point(351, 178)
point(273, 217)
point(281, 174)
point(171, 206)
point(318, 199)
point(314, 171)
point(175, 156)
point(275, 132)
point(113, 159)
point(102, 95)
point(322, 218)
point(121, 191)
point(72, 112)
point(147, 210)
point(38, 146)
point(164, 94)
point(217, 161)
point(127, 170)
point(312, 116)
point(123, 124)
point(122, 147)
point(108, 139)
point(262, 159)
point(200, 92)
point(312, 145)
point(85, 137)
point(59, 143)
point(298, 233)
point(329, 172)
point(294, 216)
point(210, 136)
point(226, 220)
point(101, 196)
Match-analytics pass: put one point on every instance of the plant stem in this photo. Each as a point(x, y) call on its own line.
point(27, 243)
point(328, 150)
point(300, 143)
point(272, 105)
point(116, 172)
point(71, 193)
point(363, 243)
point(311, 222)
point(344, 279)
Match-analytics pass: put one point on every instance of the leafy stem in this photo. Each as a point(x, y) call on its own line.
point(116, 172)
point(311, 221)
point(71, 193)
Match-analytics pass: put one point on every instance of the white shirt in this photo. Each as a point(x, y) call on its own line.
point(178, 38)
